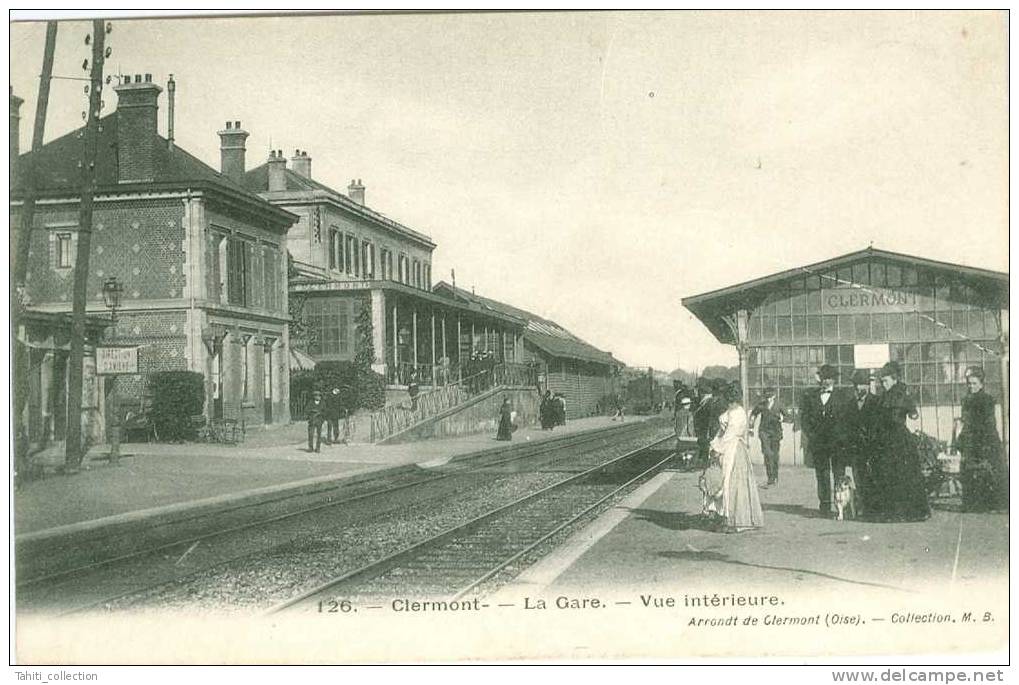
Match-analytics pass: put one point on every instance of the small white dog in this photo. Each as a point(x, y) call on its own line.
point(845, 498)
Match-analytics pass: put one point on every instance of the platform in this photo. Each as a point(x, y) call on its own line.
point(157, 475)
point(656, 540)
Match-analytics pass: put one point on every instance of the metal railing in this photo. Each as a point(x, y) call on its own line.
point(395, 418)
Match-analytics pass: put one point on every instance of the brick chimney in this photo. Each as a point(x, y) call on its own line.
point(355, 191)
point(231, 150)
point(301, 163)
point(15, 132)
point(277, 165)
point(137, 133)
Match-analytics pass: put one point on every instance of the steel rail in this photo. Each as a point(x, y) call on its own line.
point(539, 450)
point(544, 447)
point(506, 562)
point(382, 566)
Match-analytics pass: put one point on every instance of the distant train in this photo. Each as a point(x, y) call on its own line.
point(647, 395)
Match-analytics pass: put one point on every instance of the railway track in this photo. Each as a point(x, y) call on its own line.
point(143, 572)
point(458, 561)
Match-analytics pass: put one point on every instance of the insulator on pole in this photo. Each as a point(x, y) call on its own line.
point(84, 65)
point(88, 38)
point(109, 27)
point(109, 51)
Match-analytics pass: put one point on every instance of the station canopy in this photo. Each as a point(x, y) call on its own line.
point(988, 287)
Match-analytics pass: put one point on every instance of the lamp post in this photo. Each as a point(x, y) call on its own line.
point(113, 289)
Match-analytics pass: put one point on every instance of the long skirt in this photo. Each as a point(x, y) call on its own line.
point(984, 476)
point(741, 501)
point(897, 480)
point(505, 428)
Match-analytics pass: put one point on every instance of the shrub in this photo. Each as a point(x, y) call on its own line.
point(342, 375)
point(371, 388)
point(176, 397)
point(361, 387)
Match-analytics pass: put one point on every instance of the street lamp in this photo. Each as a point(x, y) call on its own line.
point(113, 289)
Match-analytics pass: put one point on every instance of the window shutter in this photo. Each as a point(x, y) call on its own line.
point(247, 272)
point(233, 277)
point(257, 281)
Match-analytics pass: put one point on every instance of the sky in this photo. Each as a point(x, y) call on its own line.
point(597, 168)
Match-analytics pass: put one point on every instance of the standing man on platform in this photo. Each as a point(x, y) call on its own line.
point(823, 419)
point(769, 430)
point(332, 416)
point(861, 421)
point(705, 421)
point(316, 413)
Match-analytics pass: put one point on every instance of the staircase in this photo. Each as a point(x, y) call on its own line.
point(388, 422)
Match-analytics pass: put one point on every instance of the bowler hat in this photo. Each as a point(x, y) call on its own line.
point(861, 377)
point(768, 392)
point(828, 371)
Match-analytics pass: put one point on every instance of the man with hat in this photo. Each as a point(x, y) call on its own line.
point(684, 417)
point(823, 426)
point(705, 417)
point(769, 430)
point(316, 414)
point(861, 421)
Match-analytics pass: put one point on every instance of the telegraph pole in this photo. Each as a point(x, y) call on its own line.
point(20, 269)
point(28, 169)
point(73, 453)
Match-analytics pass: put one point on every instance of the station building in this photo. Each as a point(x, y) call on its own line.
point(202, 260)
point(859, 311)
point(581, 372)
point(349, 259)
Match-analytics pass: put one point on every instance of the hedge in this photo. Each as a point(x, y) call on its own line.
point(176, 397)
point(359, 387)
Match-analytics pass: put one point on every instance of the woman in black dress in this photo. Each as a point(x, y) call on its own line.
point(545, 411)
point(505, 421)
point(983, 474)
point(898, 482)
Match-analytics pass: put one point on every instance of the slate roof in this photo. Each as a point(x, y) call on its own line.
point(56, 169)
point(257, 181)
point(543, 333)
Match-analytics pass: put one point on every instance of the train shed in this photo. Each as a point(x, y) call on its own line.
point(859, 311)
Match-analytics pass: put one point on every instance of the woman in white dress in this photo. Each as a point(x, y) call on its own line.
point(740, 502)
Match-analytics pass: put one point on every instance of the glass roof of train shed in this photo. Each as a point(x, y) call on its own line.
point(868, 281)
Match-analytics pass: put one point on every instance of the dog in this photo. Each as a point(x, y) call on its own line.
point(845, 498)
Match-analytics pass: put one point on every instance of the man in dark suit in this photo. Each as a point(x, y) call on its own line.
point(861, 421)
point(770, 431)
point(703, 416)
point(823, 412)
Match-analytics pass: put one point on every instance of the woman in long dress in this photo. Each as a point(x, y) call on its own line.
point(897, 476)
point(984, 474)
point(741, 503)
point(505, 421)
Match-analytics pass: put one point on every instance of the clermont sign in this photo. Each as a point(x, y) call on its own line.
point(113, 361)
point(871, 301)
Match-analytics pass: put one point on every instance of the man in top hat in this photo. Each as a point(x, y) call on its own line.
point(861, 423)
point(769, 430)
point(823, 415)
